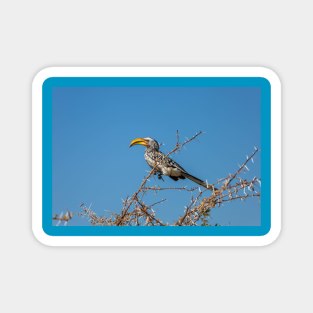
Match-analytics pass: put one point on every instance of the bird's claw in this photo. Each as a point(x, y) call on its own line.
point(160, 176)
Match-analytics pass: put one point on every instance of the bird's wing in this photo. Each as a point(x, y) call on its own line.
point(189, 176)
point(170, 162)
point(163, 159)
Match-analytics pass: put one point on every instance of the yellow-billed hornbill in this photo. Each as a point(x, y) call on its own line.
point(163, 164)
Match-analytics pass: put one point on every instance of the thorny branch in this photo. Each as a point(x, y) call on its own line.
point(135, 212)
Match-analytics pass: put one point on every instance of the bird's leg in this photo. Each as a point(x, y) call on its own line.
point(160, 176)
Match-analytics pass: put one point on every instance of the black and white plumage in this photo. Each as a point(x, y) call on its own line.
point(163, 164)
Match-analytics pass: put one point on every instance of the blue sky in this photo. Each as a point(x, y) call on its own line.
point(93, 126)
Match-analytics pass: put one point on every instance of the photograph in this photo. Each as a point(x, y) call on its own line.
point(156, 151)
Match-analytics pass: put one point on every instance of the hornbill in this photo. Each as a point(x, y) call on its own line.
point(163, 164)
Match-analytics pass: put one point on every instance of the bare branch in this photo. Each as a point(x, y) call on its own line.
point(135, 212)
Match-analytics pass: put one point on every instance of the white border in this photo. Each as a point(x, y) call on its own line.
point(156, 240)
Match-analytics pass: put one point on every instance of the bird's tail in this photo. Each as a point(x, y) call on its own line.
point(199, 181)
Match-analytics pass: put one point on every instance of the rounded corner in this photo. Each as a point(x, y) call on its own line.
point(270, 76)
point(42, 236)
point(42, 76)
point(271, 236)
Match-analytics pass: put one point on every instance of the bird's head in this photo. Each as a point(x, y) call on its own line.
point(147, 142)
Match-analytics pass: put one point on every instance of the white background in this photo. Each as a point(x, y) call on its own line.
point(37, 34)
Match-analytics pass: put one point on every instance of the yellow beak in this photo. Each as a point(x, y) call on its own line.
point(139, 141)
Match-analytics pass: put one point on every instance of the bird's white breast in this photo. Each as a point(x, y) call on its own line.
point(150, 161)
